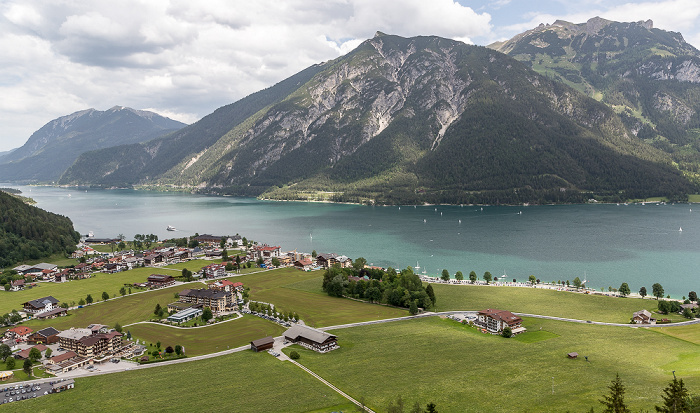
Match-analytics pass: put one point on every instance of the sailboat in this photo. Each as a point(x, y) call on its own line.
point(417, 267)
point(680, 229)
point(170, 228)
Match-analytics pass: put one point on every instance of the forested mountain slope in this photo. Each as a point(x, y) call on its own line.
point(409, 120)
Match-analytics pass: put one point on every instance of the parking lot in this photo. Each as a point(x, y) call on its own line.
point(23, 392)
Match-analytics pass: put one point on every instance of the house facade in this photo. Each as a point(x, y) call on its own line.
point(40, 305)
point(494, 321)
point(216, 300)
point(643, 317)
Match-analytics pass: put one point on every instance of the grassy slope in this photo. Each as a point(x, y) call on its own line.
point(211, 339)
point(124, 310)
point(289, 289)
point(462, 370)
point(77, 289)
point(242, 382)
point(540, 301)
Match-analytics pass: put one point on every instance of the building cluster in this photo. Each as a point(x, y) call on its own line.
point(220, 297)
point(77, 347)
point(305, 336)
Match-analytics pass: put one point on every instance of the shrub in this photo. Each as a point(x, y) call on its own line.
point(294, 355)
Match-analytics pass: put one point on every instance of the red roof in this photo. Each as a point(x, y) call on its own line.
point(238, 284)
point(21, 330)
point(63, 357)
point(226, 282)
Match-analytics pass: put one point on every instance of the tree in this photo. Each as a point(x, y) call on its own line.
point(27, 367)
point(105, 296)
point(187, 274)
point(47, 354)
point(207, 314)
point(431, 293)
point(259, 261)
point(445, 275)
point(224, 255)
point(10, 363)
point(122, 291)
point(459, 276)
point(687, 313)
point(88, 299)
point(472, 277)
point(118, 327)
point(693, 296)
point(34, 355)
point(169, 350)
point(507, 332)
point(643, 292)
point(615, 401)
point(238, 262)
point(157, 310)
point(178, 349)
point(577, 282)
point(675, 398)
point(488, 277)
point(413, 309)
point(229, 266)
point(5, 351)
point(275, 262)
point(531, 279)
point(128, 334)
point(314, 254)
point(624, 290)
point(158, 344)
point(431, 408)
point(657, 290)
point(359, 263)
point(294, 355)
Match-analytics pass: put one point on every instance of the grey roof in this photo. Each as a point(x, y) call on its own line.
point(75, 333)
point(205, 293)
point(41, 302)
point(307, 332)
point(48, 332)
point(263, 341)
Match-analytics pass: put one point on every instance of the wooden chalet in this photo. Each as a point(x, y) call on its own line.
point(311, 338)
point(262, 344)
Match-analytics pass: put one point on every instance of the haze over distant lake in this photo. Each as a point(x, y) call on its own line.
point(607, 244)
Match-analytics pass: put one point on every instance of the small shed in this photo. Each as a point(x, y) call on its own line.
point(262, 344)
point(572, 355)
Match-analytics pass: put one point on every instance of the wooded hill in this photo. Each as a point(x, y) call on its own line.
point(30, 233)
point(403, 120)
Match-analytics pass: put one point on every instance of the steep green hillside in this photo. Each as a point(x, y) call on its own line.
point(650, 77)
point(27, 232)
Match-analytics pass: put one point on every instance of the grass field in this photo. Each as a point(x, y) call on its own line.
point(461, 369)
point(77, 289)
point(242, 382)
point(540, 301)
point(125, 310)
point(292, 290)
point(211, 339)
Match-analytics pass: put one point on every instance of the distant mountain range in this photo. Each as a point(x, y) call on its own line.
point(428, 119)
point(56, 146)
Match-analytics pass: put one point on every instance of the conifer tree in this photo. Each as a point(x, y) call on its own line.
point(615, 402)
point(675, 397)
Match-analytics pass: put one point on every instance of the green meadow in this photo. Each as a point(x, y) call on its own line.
point(241, 382)
point(463, 370)
point(217, 337)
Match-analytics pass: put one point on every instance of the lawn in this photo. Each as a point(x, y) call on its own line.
point(292, 290)
point(217, 337)
point(540, 301)
point(76, 289)
point(242, 382)
point(123, 310)
point(690, 333)
point(460, 369)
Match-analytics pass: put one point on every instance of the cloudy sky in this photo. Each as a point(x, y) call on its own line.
point(184, 59)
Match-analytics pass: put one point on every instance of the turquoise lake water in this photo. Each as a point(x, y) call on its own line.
point(607, 244)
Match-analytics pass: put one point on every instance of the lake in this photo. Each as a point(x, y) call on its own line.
point(605, 244)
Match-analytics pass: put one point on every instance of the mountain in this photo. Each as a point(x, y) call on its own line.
point(403, 120)
point(30, 233)
point(649, 76)
point(54, 147)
